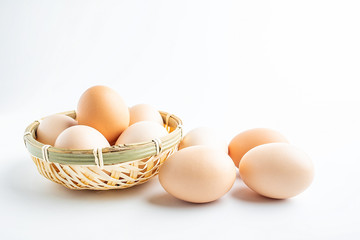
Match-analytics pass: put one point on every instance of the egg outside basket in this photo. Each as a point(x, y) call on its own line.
point(114, 167)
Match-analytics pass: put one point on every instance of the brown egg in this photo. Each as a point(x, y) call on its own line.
point(51, 126)
point(102, 108)
point(277, 170)
point(198, 174)
point(81, 137)
point(144, 112)
point(249, 139)
point(141, 132)
point(204, 136)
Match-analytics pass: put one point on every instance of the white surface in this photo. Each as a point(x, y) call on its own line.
point(233, 65)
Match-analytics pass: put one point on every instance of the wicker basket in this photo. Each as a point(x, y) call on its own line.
point(115, 167)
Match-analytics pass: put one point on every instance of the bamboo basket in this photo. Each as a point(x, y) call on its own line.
point(114, 167)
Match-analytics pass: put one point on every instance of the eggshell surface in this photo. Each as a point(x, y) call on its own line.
point(81, 137)
point(204, 136)
point(144, 112)
point(277, 170)
point(249, 139)
point(141, 132)
point(102, 108)
point(51, 126)
point(197, 174)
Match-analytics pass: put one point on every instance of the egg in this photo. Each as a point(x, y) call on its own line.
point(142, 132)
point(249, 139)
point(204, 136)
point(198, 174)
point(81, 137)
point(277, 170)
point(102, 108)
point(144, 112)
point(51, 126)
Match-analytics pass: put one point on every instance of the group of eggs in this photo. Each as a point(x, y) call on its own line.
point(204, 168)
point(102, 120)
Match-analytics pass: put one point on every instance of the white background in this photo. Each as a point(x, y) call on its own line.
point(233, 65)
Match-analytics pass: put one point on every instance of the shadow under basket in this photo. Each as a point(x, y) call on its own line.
point(114, 167)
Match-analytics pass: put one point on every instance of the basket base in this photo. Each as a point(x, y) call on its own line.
point(117, 176)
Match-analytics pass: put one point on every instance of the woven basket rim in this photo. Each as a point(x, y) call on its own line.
point(116, 154)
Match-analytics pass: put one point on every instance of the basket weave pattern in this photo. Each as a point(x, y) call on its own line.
point(142, 161)
point(117, 176)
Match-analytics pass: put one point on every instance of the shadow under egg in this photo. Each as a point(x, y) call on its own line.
point(166, 200)
point(246, 194)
